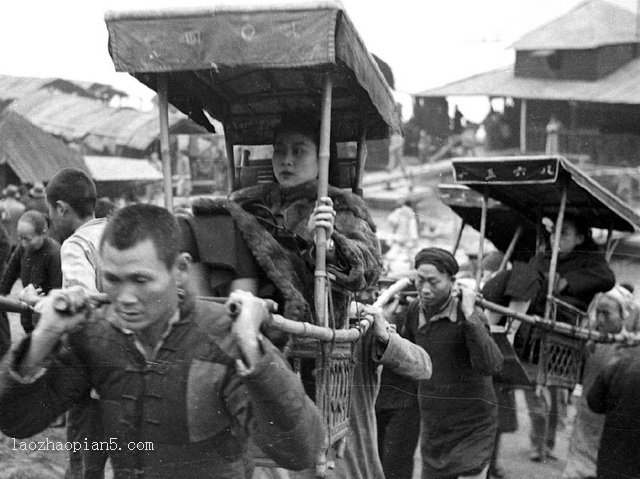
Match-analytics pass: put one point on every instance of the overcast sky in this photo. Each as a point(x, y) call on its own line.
point(426, 42)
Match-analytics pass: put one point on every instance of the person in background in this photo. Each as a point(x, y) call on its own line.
point(397, 410)
point(36, 262)
point(36, 200)
point(614, 393)
point(105, 208)
point(610, 312)
point(10, 210)
point(552, 144)
point(458, 407)
point(456, 124)
point(425, 147)
point(5, 252)
point(170, 371)
point(183, 175)
point(582, 272)
point(404, 224)
point(71, 199)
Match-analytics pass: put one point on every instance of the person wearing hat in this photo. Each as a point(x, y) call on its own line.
point(458, 405)
point(36, 200)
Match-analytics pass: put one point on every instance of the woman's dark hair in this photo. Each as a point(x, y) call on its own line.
point(582, 228)
point(35, 219)
point(304, 123)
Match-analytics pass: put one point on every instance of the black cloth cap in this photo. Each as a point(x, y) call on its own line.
point(440, 258)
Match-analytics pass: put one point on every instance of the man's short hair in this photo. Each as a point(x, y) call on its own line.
point(75, 187)
point(136, 223)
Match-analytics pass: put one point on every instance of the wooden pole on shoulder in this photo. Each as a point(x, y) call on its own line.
point(165, 151)
point(320, 291)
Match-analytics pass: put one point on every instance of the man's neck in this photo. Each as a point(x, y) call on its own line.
point(433, 309)
point(77, 223)
point(151, 336)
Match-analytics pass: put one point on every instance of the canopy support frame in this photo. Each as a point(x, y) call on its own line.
point(165, 150)
point(483, 233)
point(511, 248)
point(361, 155)
point(320, 290)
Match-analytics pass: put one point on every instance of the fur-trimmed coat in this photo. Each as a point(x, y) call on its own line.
point(357, 262)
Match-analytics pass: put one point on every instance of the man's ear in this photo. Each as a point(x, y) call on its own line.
point(183, 269)
point(62, 207)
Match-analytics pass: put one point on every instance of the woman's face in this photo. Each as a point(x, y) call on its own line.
point(569, 238)
point(29, 239)
point(295, 159)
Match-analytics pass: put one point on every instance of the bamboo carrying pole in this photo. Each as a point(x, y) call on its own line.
point(483, 232)
point(165, 152)
point(554, 251)
point(562, 328)
point(320, 291)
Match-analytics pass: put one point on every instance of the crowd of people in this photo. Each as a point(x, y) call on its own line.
point(120, 339)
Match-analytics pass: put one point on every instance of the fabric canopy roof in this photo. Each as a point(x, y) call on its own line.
point(502, 221)
point(245, 66)
point(533, 187)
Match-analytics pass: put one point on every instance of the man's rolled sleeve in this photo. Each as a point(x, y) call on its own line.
point(405, 358)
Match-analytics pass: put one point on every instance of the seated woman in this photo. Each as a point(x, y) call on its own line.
point(267, 237)
point(581, 273)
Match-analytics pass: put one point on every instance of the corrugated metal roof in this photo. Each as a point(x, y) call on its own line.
point(589, 25)
point(115, 168)
point(621, 86)
point(33, 154)
point(73, 118)
point(12, 87)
